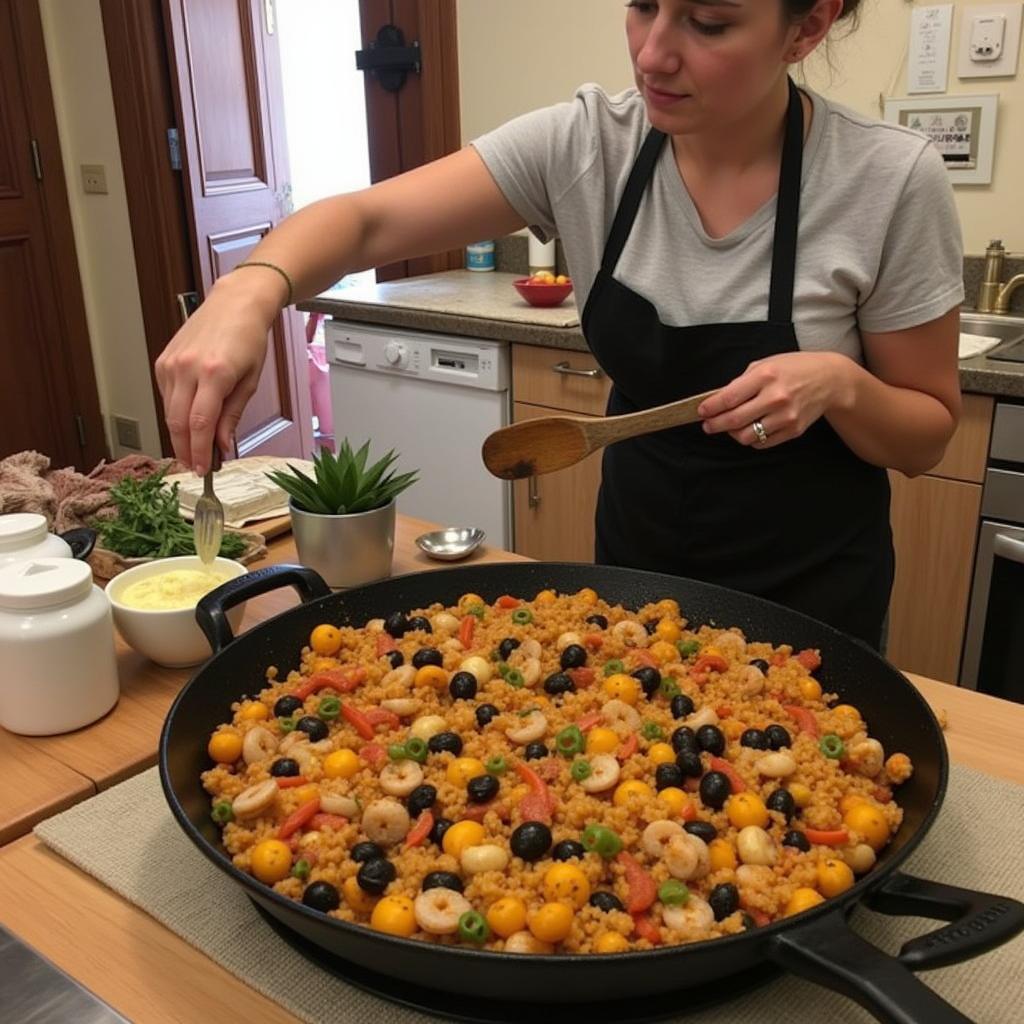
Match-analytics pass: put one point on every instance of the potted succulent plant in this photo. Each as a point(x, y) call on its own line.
point(343, 517)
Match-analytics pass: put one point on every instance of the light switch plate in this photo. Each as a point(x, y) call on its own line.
point(94, 179)
point(978, 31)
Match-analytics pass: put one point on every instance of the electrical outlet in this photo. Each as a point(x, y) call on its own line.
point(94, 179)
point(989, 40)
point(129, 435)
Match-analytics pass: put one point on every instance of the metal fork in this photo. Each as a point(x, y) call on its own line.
point(208, 523)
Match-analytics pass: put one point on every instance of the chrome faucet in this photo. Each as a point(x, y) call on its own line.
point(994, 296)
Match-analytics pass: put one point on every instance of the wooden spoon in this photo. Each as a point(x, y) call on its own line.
point(535, 447)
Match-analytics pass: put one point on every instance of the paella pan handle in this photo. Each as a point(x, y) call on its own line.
point(211, 612)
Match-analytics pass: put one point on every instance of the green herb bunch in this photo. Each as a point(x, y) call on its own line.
point(148, 523)
point(342, 485)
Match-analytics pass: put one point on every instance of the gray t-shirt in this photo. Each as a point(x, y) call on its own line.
point(879, 245)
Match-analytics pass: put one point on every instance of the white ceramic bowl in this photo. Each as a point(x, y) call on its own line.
point(170, 638)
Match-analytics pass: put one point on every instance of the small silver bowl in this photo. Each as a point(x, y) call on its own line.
point(452, 543)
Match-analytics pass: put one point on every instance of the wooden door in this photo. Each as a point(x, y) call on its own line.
point(225, 65)
point(48, 398)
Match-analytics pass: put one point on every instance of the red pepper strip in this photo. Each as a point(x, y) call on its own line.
point(778, 659)
point(582, 677)
point(759, 916)
point(466, 630)
point(322, 821)
point(810, 660)
point(358, 719)
point(594, 641)
point(291, 781)
point(804, 719)
point(344, 680)
point(691, 785)
point(834, 837)
point(420, 831)
point(642, 657)
point(645, 928)
point(724, 711)
point(477, 812)
point(689, 812)
point(710, 663)
point(374, 754)
point(538, 804)
point(627, 748)
point(293, 843)
point(298, 818)
point(505, 601)
point(642, 889)
point(381, 716)
point(588, 721)
point(736, 784)
point(385, 644)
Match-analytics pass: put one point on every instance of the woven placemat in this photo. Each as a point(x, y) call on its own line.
point(977, 842)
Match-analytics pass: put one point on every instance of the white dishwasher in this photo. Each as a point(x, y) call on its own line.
point(433, 398)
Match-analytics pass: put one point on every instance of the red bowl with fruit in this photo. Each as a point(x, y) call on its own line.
point(544, 291)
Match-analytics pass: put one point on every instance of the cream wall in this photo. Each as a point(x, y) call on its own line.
point(77, 55)
point(583, 40)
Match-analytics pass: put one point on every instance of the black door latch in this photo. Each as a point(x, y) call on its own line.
point(389, 58)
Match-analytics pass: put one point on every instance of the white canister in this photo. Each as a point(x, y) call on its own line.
point(56, 646)
point(27, 535)
point(541, 255)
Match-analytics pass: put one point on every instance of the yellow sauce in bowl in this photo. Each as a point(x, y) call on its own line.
point(168, 591)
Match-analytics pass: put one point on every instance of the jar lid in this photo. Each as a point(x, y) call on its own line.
point(22, 530)
point(43, 583)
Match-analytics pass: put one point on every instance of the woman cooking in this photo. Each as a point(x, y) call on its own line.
point(724, 229)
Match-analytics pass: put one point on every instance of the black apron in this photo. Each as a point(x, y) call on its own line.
point(805, 524)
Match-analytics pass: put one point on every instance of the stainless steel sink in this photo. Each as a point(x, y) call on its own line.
point(1009, 330)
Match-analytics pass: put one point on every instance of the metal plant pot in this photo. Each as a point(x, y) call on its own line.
point(346, 550)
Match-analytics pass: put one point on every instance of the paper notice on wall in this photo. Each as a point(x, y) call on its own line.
point(930, 32)
point(950, 130)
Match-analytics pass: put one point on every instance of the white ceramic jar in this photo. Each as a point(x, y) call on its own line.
point(56, 647)
point(27, 535)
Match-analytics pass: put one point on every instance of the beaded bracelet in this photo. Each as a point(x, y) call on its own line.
point(271, 266)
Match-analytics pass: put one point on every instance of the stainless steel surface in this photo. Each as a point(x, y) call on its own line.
point(346, 550)
point(34, 991)
point(1009, 547)
point(451, 544)
point(1003, 496)
point(208, 519)
point(1009, 329)
point(566, 370)
point(1008, 433)
point(989, 291)
point(533, 495)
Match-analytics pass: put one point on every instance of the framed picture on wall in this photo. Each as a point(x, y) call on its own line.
point(963, 129)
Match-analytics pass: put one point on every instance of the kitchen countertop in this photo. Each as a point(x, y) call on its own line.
point(462, 302)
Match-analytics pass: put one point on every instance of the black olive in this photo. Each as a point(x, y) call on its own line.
point(761, 664)
point(428, 656)
point(486, 713)
point(649, 679)
point(651, 625)
point(701, 829)
point(362, 852)
point(782, 800)
point(681, 706)
point(724, 900)
point(482, 788)
point(314, 728)
point(376, 875)
point(420, 623)
point(441, 825)
point(597, 620)
point(507, 646)
point(450, 741)
point(442, 880)
point(421, 799)
point(777, 737)
point(559, 682)
point(463, 686)
point(535, 751)
point(284, 767)
point(396, 624)
point(321, 896)
point(395, 658)
point(668, 774)
point(573, 656)
point(749, 924)
point(567, 849)
point(684, 738)
point(711, 739)
point(605, 901)
point(531, 840)
point(287, 706)
point(797, 839)
point(756, 739)
point(690, 764)
point(715, 789)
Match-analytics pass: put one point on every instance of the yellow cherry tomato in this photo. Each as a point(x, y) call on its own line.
point(469, 600)
point(851, 800)
point(545, 598)
point(611, 942)
point(254, 711)
point(602, 741)
point(745, 809)
point(566, 882)
point(668, 606)
point(341, 764)
point(674, 799)
point(461, 836)
point(810, 689)
point(732, 728)
point(800, 793)
point(632, 789)
point(394, 915)
point(507, 916)
point(663, 651)
point(359, 900)
point(325, 639)
point(803, 899)
point(846, 709)
point(551, 922)
point(271, 860)
point(661, 753)
point(462, 769)
point(712, 652)
point(433, 676)
point(834, 876)
point(668, 631)
point(224, 747)
point(722, 855)
point(304, 794)
point(587, 596)
point(870, 822)
point(622, 687)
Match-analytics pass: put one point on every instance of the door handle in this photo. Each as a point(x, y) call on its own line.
point(1009, 547)
point(188, 303)
point(568, 371)
point(533, 493)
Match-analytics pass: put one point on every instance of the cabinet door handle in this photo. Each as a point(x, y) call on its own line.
point(569, 371)
point(533, 493)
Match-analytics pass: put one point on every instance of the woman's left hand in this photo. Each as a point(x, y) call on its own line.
point(784, 393)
